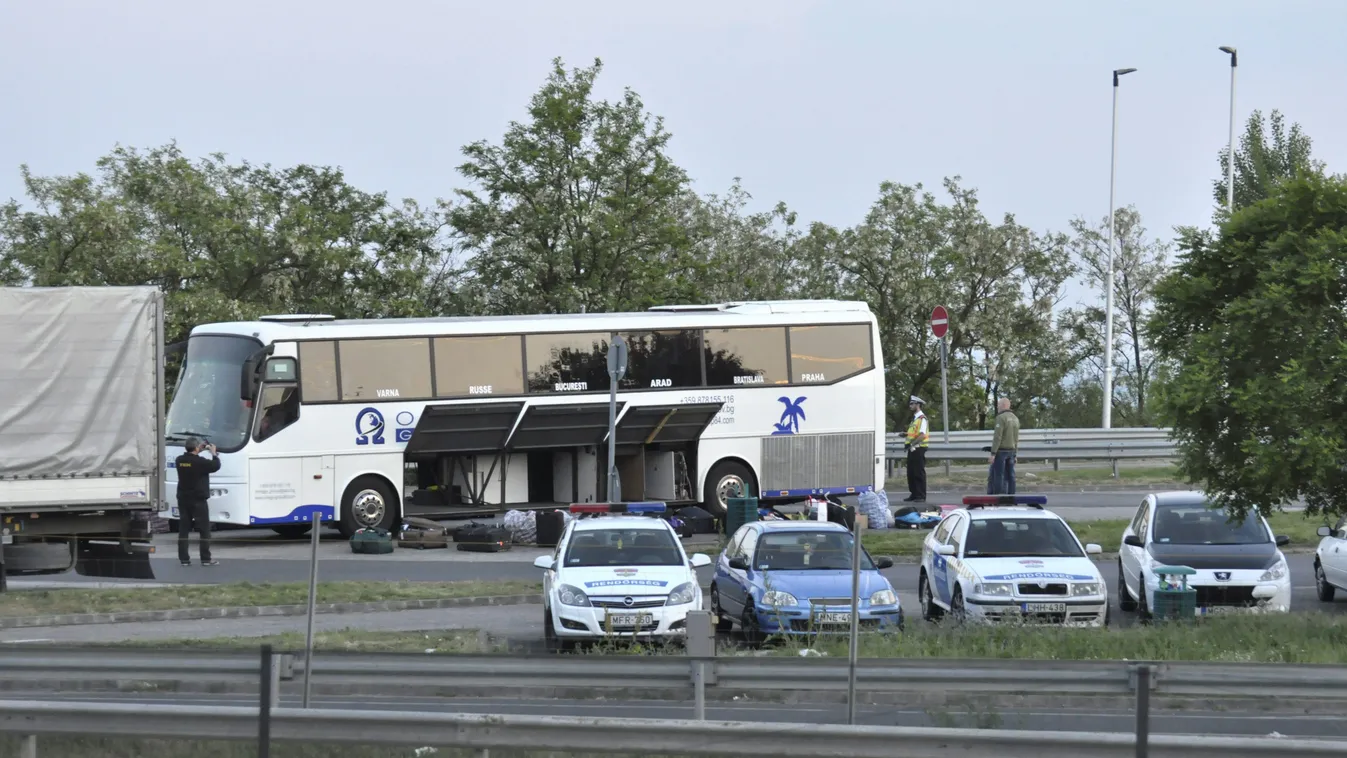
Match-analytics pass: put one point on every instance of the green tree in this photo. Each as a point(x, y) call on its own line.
point(1252, 318)
point(913, 252)
point(1268, 154)
point(746, 256)
point(1138, 263)
point(226, 241)
point(577, 208)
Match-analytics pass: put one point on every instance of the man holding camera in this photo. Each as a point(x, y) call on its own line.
point(193, 491)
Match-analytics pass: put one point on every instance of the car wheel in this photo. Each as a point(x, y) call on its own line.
point(1126, 602)
point(1143, 606)
point(550, 639)
point(749, 624)
point(957, 610)
point(1326, 591)
point(723, 623)
point(929, 610)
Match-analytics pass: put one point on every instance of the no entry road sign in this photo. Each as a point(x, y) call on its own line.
point(939, 322)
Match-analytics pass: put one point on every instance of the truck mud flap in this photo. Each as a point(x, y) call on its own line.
point(111, 559)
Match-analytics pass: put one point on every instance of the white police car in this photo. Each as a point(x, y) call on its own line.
point(1003, 558)
point(618, 572)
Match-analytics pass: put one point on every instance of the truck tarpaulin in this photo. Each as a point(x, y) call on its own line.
point(76, 379)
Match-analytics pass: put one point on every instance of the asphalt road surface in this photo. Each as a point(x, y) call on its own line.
point(521, 624)
point(261, 555)
point(1233, 723)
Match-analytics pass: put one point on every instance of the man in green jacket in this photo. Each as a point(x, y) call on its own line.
point(1005, 444)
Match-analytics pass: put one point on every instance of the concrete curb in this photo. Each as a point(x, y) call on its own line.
point(255, 611)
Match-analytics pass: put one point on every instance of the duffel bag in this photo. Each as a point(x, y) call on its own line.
point(372, 541)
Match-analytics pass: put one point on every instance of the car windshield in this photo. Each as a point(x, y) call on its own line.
point(623, 547)
point(1201, 525)
point(807, 551)
point(1017, 538)
point(206, 403)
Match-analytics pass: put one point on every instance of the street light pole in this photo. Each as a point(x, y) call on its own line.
point(1230, 151)
point(1108, 296)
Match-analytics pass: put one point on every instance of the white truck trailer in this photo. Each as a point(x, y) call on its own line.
point(81, 429)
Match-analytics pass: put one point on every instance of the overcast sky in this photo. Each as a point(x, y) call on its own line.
point(814, 103)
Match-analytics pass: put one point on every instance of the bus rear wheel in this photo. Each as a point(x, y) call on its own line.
point(722, 482)
point(368, 502)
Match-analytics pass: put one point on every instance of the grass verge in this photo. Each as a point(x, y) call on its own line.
point(1107, 533)
point(1265, 638)
point(449, 642)
point(99, 747)
point(63, 601)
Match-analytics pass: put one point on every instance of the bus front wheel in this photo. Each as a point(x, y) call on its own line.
point(725, 480)
point(368, 502)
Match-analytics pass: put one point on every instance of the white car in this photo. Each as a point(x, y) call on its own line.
point(1330, 561)
point(618, 574)
point(1004, 558)
point(1239, 566)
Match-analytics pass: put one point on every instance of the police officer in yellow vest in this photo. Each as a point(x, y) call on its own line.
point(918, 437)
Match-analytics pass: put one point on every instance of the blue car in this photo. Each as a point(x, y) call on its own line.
point(794, 577)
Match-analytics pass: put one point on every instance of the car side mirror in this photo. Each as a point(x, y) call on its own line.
point(543, 562)
point(1325, 531)
point(945, 550)
point(1282, 540)
point(1093, 549)
point(700, 559)
point(739, 564)
point(1133, 540)
point(884, 563)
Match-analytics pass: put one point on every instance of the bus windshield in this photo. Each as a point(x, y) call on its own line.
point(206, 402)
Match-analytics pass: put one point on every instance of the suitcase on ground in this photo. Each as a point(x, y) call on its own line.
point(550, 525)
point(422, 533)
point(471, 526)
point(482, 538)
point(372, 541)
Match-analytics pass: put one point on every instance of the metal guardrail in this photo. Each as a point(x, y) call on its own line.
point(729, 675)
point(635, 736)
point(1049, 444)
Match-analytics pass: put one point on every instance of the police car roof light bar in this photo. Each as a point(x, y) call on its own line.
point(618, 508)
point(982, 501)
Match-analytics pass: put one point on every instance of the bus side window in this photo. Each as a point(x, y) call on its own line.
point(280, 408)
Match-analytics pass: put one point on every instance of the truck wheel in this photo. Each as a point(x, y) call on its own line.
point(368, 502)
point(721, 482)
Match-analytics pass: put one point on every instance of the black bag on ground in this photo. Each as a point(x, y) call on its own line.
point(698, 520)
point(422, 533)
point(482, 538)
point(842, 514)
point(550, 525)
point(471, 526)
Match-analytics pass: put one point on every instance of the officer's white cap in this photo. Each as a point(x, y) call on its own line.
point(917, 400)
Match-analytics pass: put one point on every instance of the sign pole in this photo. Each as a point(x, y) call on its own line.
point(313, 602)
point(617, 368)
point(855, 620)
point(940, 328)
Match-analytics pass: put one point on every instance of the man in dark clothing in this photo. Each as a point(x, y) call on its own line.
point(193, 491)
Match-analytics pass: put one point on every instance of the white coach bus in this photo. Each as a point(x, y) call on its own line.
point(312, 414)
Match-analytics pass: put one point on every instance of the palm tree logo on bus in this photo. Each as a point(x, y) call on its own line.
point(791, 416)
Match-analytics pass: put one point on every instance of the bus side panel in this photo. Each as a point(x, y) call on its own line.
point(833, 425)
